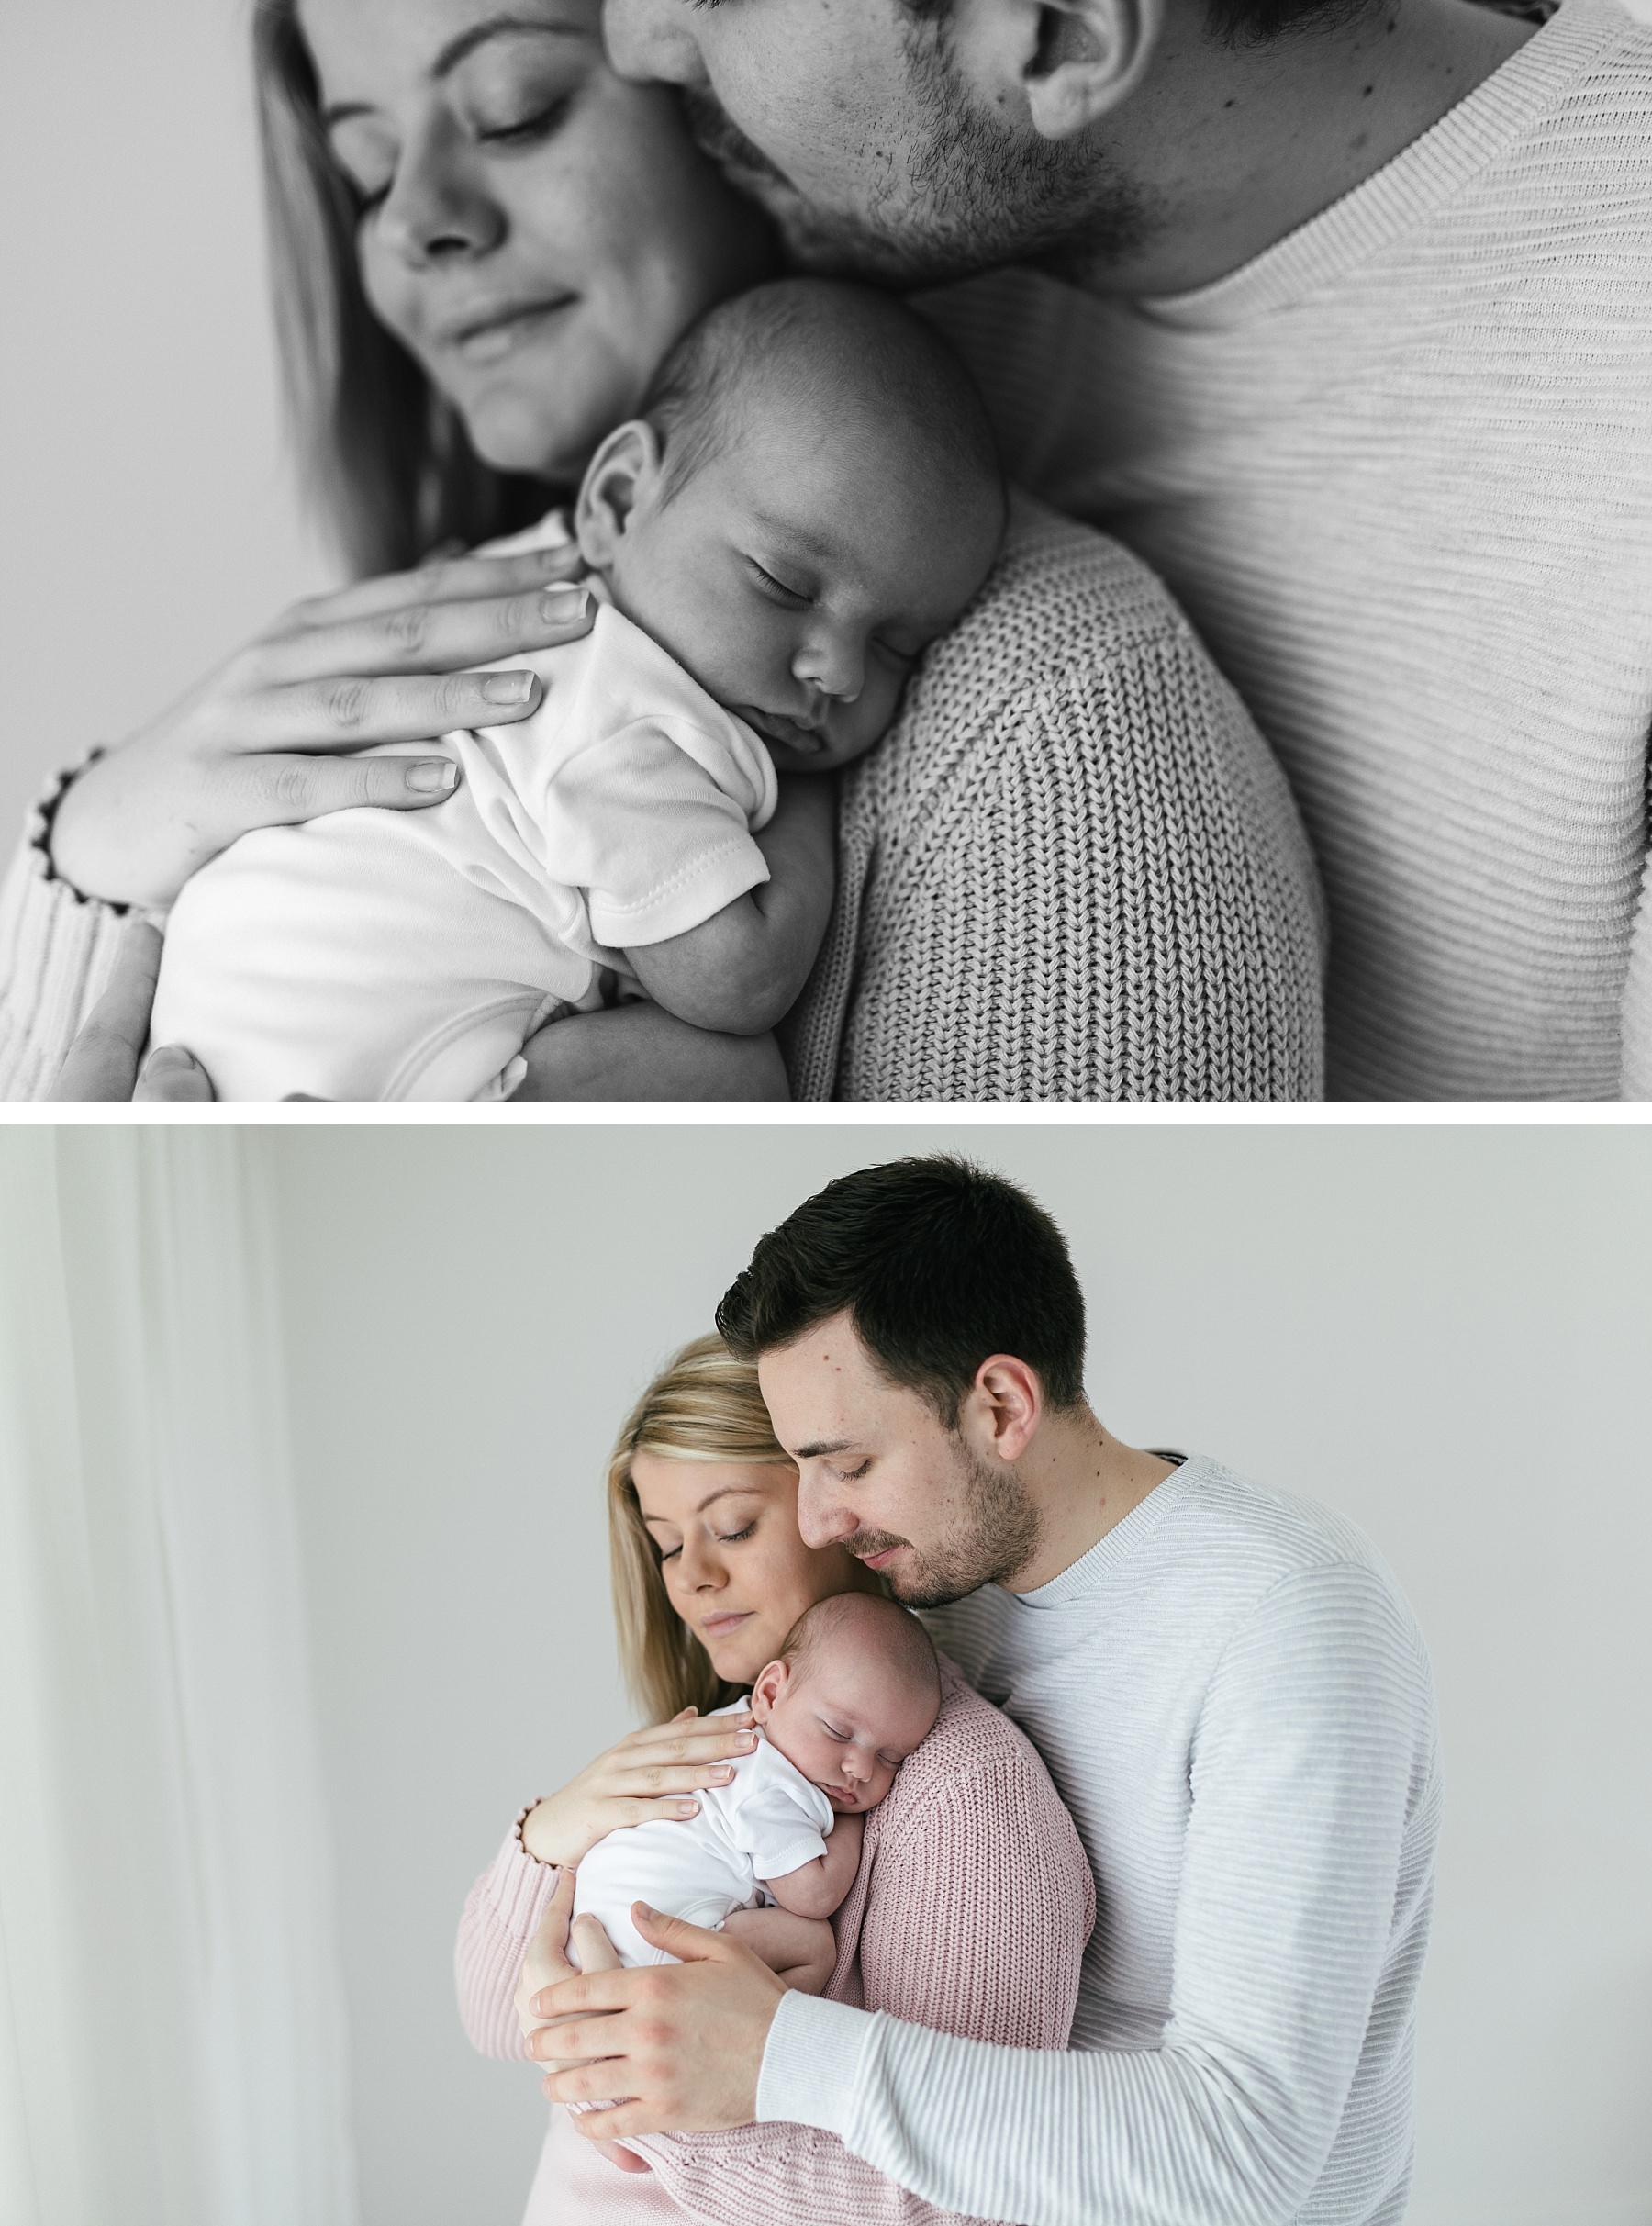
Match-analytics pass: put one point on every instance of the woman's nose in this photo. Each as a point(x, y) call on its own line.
point(436, 210)
point(834, 664)
point(699, 1569)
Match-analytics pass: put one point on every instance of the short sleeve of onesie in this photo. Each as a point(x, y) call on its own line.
point(776, 1816)
point(654, 825)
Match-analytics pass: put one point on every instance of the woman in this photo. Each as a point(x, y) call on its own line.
point(971, 1848)
point(1072, 870)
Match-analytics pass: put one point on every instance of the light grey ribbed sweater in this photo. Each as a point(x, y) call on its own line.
point(1234, 1704)
point(1398, 471)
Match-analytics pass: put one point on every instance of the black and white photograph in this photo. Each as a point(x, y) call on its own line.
point(1125, 527)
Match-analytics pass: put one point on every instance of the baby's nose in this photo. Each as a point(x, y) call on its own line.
point(833, 667)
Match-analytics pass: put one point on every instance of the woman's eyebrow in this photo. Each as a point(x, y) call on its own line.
point(722, 1492)
point(455, 51)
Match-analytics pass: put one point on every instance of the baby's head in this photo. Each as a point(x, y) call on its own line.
point(810, 497)
point(855, 1689)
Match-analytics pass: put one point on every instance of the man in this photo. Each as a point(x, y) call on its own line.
point(1350, 343)
point(1231, 1696)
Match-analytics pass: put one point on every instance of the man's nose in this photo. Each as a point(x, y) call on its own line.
point(436, 210)
point(833, 664)
point(649, 39)
point(819, 1523)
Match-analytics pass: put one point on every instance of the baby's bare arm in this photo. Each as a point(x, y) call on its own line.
point(740, 970)
point(815, 1889)
point(799, 1950)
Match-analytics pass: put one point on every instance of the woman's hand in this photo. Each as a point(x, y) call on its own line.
point(266, 739)
point(102, 1062)
point(652, 1772)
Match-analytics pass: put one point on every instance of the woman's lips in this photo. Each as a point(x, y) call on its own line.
point(715, 1626)
point(490, 338)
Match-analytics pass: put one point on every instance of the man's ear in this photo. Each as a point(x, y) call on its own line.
point(1009, 1402)
point(767, 1687)
point(1070, 62)
point(624, 471)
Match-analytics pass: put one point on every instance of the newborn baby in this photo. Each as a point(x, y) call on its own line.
point(855, 1688)
point(810, 497)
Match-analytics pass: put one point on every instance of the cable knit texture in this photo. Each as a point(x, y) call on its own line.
point(1072, 870)
point(970, 1913)
point(1398, 471)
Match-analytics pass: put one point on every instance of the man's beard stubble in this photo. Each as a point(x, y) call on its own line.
point(976, 195)
point(994, 1540)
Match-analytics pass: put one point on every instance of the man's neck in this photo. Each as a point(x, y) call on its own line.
point(1084, 1482)
point(1232, 147)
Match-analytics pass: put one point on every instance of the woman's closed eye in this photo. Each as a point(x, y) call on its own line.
point(723, 1538)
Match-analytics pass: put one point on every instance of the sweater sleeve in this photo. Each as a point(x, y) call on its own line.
point(991, 1866)
point(500, 1917)
point(1635, 1074)
point(1302, 1779)
point(56, 950)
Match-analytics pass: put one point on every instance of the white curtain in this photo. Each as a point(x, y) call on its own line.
point(171, 2048)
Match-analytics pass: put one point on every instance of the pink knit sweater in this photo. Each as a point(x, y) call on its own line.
point(970, 1913)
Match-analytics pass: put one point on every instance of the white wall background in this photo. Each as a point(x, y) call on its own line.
point(149, 522)
point(1444, 1333)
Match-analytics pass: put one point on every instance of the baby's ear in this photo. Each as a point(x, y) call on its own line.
point(767, 1687)
point(624, 471)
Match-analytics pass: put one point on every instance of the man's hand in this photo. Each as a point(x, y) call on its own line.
point(102, 1062)
point(678, 2045)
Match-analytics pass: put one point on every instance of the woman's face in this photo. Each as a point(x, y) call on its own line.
point(534, 229)
point(735, 1565)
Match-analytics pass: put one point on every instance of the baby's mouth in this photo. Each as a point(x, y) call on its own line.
point(773, 726)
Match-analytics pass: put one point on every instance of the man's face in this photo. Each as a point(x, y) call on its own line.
point(881, 1475)
point(871, 134)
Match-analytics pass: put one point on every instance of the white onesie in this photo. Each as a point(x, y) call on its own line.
point(766, 1822)
point(378, 953)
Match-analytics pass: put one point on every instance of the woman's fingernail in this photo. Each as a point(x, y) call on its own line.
point(566, 601)
point(687, 1809)
point(171, 1055)
point(432, 776)
point(722, 1773)
point(508, 687)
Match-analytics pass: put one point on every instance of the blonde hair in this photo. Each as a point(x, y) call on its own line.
point(704, 1406)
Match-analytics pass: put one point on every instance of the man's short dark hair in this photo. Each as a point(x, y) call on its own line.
point(938, 1263)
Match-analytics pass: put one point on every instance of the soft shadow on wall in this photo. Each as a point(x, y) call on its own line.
point(1441, 1332)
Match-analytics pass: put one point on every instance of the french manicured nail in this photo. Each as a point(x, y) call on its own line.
point(433, 775)
point(687, 1809)
point(170, 1059)
point(566, 601)
point(508, 687)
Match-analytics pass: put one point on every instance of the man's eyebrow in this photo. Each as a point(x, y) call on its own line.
point(823, 1445)
point(455, 51)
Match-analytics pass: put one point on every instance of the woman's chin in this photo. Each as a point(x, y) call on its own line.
point(512, 432)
